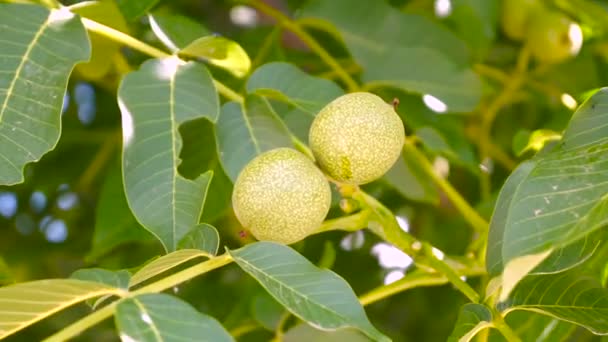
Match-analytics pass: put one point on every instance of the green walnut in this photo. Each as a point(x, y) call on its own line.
point(281, 196)
point(356, 138)
point(516, 15)
point(549, 37)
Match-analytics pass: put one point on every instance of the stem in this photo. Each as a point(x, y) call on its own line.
point(509, 90)
point(470, 215)
point(278, 336)
point(294, 27)
point(100, 159)
point(349, 223)
point(149, 50)
point(243, 330)
point(265, 48)
point(505, 330)
point(158, 286)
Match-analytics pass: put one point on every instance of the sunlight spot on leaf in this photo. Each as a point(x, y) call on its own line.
point(576, 38)
point(61, 14)
point(244, 16)
point(434, 104)
point(168, 67)
point(487, 165)
point(443, 8)
point(162, 36)
point(438, 253)
point(146, 318)
point(403, 223)
point(393, 276)
point(127, 338)
point(353, 241)
point(518, 268)
point(390, 256)
point(127, 123)
point(568, 101)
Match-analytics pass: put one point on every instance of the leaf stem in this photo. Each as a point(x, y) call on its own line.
point(470, 215)
point(294, 27)
point(349, 223)
point(158, 286)
point(505, 330)
point(149, 50)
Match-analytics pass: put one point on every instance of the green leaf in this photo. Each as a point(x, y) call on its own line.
point(387, 44)
point(525, 141)
point(319, 297)
point(244, 132)
point(407, 177)
point(154, 101)
point(103, 50)
point(287, 83)
point(114, 222)
point(165, 263)
point(560, 196)
point(266, 311)
point(24, 304)
point(472, 319)
point(161, 317)
point(39, 51)
point(306, 333)
point(475, 22)
point(117, 279)
point(567, 296)
point(221, 52)
point(203, 237)
point(176, 31)
point(135, 9)
point(531, 326)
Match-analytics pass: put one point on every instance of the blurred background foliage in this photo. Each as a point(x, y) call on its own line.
point(71, 211)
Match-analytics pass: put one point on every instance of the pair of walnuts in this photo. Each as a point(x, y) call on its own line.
point(282, 196)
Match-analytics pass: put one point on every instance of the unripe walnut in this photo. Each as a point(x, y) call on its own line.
point(550, 39)
point(281, 196)
point(356, 138)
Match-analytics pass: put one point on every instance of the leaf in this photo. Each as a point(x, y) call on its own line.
point(319, 297)
point(221, 52)
point(266, 311)
point(114, 222)
point(161, 317)
point(306, 333)
point(117, 279)
point(39, 51)
point(567, 296)
point(287, 83)
point(560, 196)
point(407, 177)
point(24, 304)
point(531, 326)
point(103, 49)
point(154, 101)
point(387, 44)
point(571, 255)
point(472, 319)
point(203, 237)
point(165, 263)
point(176, 31)
point(244, 132)
point(135, 9)
point(475, 22)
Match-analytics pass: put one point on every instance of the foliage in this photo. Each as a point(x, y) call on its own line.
point(124, 125)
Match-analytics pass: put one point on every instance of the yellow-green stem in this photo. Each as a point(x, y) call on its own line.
point(505, 330)
point(314, 46)
point(158, 286)
point(149, 50)
point(470, 215)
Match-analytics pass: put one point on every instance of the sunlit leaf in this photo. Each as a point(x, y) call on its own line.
point(176, 31)
point(118, 279)
point(135, 9)
point(221, 52)
point(306, 333)
point(39, 51)
point(531, 326)
point(24, 304)
point(559, 197)
point(319, 297)
point(387, 44)
point(568, 296)
point(165, 263)
point(154, 101)
point(285, 82)
point(472, 319)
point(161, 317)
point(244, 132)
point(203, 237)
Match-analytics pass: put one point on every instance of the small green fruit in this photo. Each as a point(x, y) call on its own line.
point(549, 37)
point(281, 196)
point(515, 17)
point(356, 138)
